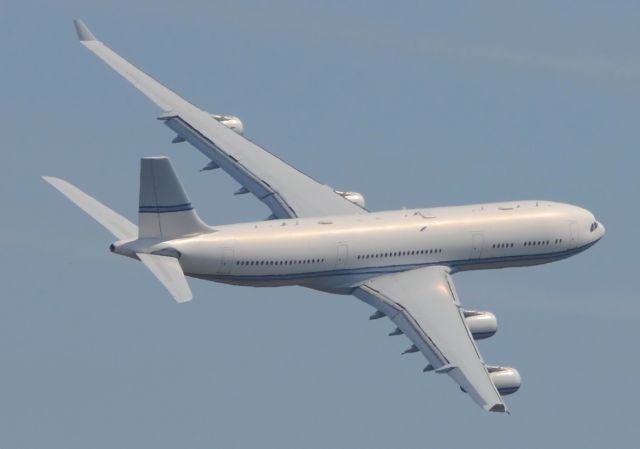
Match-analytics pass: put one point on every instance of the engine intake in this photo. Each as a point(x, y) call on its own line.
point(506, 379)
point(481, 324)
point(231, 121)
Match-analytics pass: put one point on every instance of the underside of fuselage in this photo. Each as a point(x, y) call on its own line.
point(345, 280)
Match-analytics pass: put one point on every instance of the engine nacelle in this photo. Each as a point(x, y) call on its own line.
point(231, 122)
point(506, 379)
point(481, 324)
point(354, 197)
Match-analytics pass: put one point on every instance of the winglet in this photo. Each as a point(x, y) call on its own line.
point(500, 408)
point(84, 33)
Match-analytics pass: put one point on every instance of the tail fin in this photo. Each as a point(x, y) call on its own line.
point(165, 209)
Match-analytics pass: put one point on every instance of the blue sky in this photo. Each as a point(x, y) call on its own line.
point(419, 104)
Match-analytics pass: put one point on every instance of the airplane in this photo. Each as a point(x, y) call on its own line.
point(400, 262)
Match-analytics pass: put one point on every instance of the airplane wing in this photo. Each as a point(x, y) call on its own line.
point(424, 306)
point(285, 190)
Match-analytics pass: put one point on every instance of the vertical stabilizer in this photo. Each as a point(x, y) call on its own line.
point(165, 210)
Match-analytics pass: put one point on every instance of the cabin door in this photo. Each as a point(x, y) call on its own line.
point(228, 256)
point(477, 242)
point(574, 234)
point(342, 256)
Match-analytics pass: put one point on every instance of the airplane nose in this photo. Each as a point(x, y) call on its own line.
point(602, 228)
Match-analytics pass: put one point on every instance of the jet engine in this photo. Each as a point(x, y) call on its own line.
point(354, 197)
point(481, 324)
point(231, 121)
point(506, 379)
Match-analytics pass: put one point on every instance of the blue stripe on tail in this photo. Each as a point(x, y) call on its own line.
point(165, 209)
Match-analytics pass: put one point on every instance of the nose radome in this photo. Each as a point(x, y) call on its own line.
point(602, 228)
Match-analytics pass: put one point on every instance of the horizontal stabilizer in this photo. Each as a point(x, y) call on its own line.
point(169, 273)
point(114, 222)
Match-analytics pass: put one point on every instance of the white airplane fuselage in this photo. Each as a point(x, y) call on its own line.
point(398, 262)
point(336, 254)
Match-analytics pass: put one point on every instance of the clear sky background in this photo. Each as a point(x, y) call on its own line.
point(415, 104)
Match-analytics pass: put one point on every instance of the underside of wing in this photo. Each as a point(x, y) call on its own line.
point(285, 190)
point(424, 306)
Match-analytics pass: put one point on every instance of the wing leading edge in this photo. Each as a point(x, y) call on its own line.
point(425, 307)
point(285, 190)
